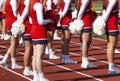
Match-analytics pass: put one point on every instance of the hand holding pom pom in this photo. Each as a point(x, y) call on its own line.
point(99, 26)
point(17, 28)
point(76, 26)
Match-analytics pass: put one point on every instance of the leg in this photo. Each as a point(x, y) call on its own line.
point(27, 57)
point(112, 41)
point(13, 46)
point(86, 41)
point(65, 47)
point(50, 46)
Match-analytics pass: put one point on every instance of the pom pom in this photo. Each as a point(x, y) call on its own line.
point(17, 28)
point(99, 26)
point(76, 26)
point(74, 14)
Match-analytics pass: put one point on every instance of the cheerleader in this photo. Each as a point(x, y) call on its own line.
point(84, 14)
point(48, 4)
point(110, 17)
point(11, 16)
point(39, 38)
point(65, 18)
point(23, 18)
point(4, 35)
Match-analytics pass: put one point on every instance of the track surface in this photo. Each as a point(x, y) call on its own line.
point(55, 70)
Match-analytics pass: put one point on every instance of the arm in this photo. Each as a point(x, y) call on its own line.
point(25, 11)
point(82, 8)
point(1, 3)
point(13, 4)
point(39, 10)
point(111, 4)
point(49, 4)
point(67, 4)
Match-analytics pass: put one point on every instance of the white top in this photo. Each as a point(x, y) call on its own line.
point(1, 4)
point(39, 10)
point(82, 8)
point(13, 4)
point(107, 12)
point(64, 12)
point(24, 14)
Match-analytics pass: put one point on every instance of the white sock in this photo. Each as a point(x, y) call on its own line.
point(5, 58)
point(111, 66)
point(13, 61)
point(55, 34)
point(46, 50)
point(41, 75)
point(85, 60)
point(50, 51)
point(27, 68)
point(35, 74)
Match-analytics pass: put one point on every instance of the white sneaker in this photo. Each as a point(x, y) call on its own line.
point(27, 72)
point(2, 36)
point(35, 80)
point(43, 79)
point(56, 38)
point(1, 56)
point(88, 66)
point(3, 64)
point(54, 57)
point(6, 37)
point(114, 72)
point(116, 51)
point(16, 66)
point(68, 61)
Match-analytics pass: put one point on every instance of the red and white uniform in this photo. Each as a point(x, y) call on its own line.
point(49, 6)
point(11, 16)
point(25, 19)
point(111, 17)
point(38, 31)
point(65, 13)
point(85, 15)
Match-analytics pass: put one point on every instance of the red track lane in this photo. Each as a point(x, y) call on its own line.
point(55, 70)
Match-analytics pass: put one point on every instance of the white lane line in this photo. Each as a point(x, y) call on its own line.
point(89, 57)
point(77, 72)
point(12, 70)
point(15, 73)
point(80, 73)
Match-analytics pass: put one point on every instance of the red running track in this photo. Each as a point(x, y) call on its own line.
point(55, 70)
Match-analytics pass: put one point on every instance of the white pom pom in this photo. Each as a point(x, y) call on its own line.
point(17, 28)
point(76, 26)
point(99, 26)
point(74, 14)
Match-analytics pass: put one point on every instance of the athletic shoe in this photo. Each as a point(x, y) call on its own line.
point(114, 72)
point(68, 61)
point(56, 38)
point(88, 66)
point(27, 72)
point(2, 36)
point(1, 56)
point(43, 79)
point(16, 66)
point(3, 64)
point(116, 51)
point(53, 57)
point(35, 80)
point(6, 37)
